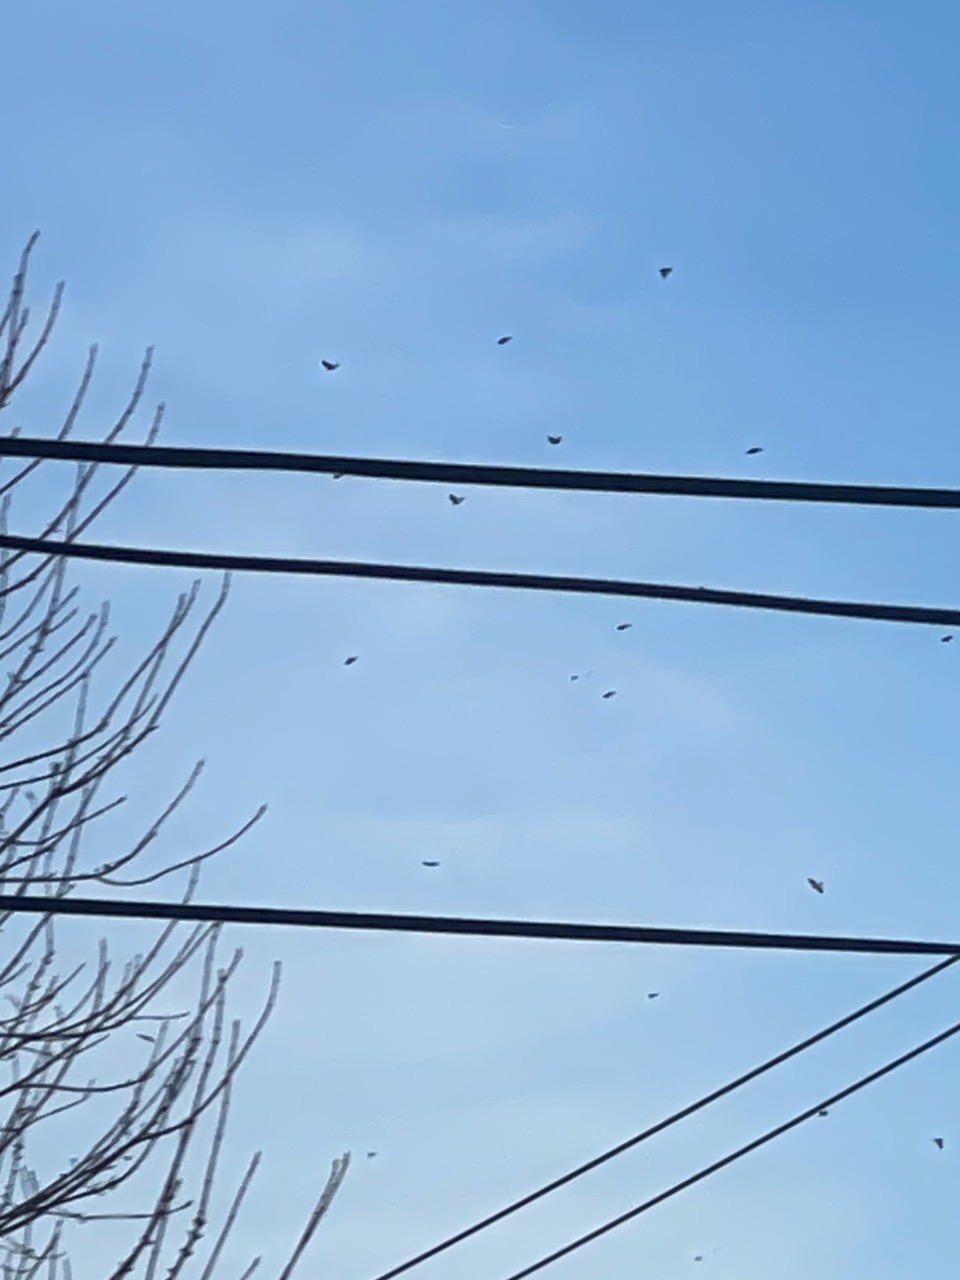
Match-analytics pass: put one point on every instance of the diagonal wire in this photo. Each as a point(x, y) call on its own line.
point(661, 1125)
point(717, 1165)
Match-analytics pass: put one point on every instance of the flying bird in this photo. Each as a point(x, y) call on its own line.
point(507, 337)
point(823, 1112)
point(946, 639)
point(665, 271)
point(939, 1143)
point(611, 693)
point(624, 626)
point(754, 448)
point(456, 498)
point(554, 439)
point(429, 863)
point(348, 662)
point(338, 475)
point(816, 885)
point(698, 1257)
point(371, 1155)
point(330, 365)
point(652, 995)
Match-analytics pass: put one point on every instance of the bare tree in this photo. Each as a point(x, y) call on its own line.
point(152, 1133)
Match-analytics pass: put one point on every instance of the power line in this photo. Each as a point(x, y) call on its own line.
point(921, 614)
point(735, 1155)
point(661, 1125)
point(469, 926)
point(469, 473)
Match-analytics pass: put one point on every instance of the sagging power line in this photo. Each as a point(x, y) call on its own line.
point(469, 926)
point(470, 473)
point(922, 615)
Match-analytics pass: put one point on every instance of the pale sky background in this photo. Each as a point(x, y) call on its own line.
point(255, 186)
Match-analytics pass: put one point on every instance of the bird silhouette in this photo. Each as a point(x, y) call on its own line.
point(338, 475)
point(456, 499)
point(652, 995)
point(348, 662)
point(816, 885)
point(330, 365)
point(665, 271)
point(754, 448)
point(611, 693)
point(823, 1112)
point(946, 639)
point(429, 863)
point(507, 337)
point(554, 439)
point(698, 1257)
point(371, 1155)
point(624, 626)
point(939, 1143)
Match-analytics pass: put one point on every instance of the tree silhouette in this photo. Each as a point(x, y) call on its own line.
point(94, 1046)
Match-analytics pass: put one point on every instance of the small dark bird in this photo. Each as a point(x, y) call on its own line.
point(371, 1155)
point(507, 337)
point(754, 448)
point(698, 1257)
point(574, 677)
point(149, 1039)
point(816, 885)
point(330, 365)
point(348, 662)
point(428, 863)
point(624, 626)
point(824, 1112)
point(939, 1143)
point(338, 475)
point(456, 499)
point(665, 271)
point(946, 639)
point(554, 439)
point(652, 995)
point(611, 693)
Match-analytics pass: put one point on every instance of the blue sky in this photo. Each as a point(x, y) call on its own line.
point(252, 187)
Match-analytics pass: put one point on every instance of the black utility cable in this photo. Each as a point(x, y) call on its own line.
point(482, 578)
point(467, 473)
point(467, 926)
point(659, 1127)
point(735, 1155)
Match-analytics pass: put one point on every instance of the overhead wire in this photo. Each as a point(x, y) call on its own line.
point(470, 473)
point(531, 478)
point(652, 1130)
point(710, 1169)
point(903, 613)
point(469, 926)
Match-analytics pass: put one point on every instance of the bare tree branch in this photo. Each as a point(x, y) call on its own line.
point(155, 1117)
